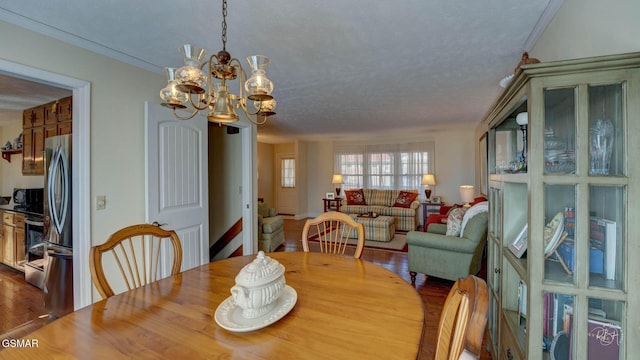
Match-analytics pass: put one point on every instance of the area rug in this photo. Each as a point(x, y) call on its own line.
point(397, 244)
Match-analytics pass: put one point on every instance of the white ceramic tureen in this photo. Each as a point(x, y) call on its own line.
point(258, 285)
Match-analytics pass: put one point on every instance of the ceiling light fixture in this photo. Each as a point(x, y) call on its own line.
point(193, 84)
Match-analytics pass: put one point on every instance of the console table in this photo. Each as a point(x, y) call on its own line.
point(332, 204)
point(429, 208)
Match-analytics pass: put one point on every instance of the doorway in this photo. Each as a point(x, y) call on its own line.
point(81, 165)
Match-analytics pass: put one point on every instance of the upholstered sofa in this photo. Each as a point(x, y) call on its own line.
point(270, 228)
point(451, 257)
point(401, 204)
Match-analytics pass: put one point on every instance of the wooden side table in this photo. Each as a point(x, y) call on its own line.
point(429, 208)
point(332, 204)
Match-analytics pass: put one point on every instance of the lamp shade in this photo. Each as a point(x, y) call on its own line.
point(466, 193)
point(522, 118)
point(428, 179)
point(337, 179)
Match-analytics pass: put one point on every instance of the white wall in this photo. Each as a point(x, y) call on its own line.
point(584, 28)
point(454, 164)
point(266, 167)
point(118, 94)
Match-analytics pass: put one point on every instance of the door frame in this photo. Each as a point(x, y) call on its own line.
point(81, 165)
point(249, 133)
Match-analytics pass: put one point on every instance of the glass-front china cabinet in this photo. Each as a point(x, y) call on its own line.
point(564, 229)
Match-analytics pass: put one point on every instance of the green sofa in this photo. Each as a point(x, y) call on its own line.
point(448, 257)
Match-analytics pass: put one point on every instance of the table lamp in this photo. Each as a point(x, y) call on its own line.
point(337, 180)
point(428, 179)
point(466, 194)
point(523, 119)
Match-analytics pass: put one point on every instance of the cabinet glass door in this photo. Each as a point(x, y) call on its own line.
point(606, 243)
point(559, 231)
point(604, 329)
point(606, 130)
point(560, 131)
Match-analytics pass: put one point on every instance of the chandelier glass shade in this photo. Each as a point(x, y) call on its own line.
point(201, 84)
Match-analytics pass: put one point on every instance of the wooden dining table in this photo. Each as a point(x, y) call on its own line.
point(346, 308)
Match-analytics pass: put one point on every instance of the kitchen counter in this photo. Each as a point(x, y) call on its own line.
point(10, 207)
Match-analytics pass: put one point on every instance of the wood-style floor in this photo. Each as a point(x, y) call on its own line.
point(21, 304)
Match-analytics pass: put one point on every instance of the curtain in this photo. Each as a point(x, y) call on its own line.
point(383, 166)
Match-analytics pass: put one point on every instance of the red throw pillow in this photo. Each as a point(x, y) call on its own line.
point(355, 197)
point(405, 199)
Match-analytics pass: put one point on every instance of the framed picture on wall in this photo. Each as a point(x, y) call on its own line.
point(330, 196)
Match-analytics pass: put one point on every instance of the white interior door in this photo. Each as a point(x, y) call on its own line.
point(177, 181)
point(286, 189)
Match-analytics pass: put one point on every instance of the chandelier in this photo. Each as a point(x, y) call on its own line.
point(193, 87)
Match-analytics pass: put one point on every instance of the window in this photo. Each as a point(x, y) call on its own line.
point(288, 173)
point(383, 166)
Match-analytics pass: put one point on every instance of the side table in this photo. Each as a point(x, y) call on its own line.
point(429, 208)
point(332, 204)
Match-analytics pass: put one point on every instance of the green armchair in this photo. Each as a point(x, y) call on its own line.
point(270, 228)
point(448, 257)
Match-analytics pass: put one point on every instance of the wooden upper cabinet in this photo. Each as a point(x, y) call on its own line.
point(65, 109)
point(34, 116)
point(33, 151)
point(39, 123)
point(50, 113)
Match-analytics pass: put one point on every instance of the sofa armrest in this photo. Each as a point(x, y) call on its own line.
point(443, 242)
point(437, 228)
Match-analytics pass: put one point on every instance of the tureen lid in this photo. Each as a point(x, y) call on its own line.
point(261, 270)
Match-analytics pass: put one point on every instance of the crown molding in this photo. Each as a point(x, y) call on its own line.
point(541, 25)
point(38, 27)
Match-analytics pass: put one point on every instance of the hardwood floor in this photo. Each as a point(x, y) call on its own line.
point(20, 302)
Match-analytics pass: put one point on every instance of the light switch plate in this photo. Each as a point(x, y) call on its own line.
point(101, 202)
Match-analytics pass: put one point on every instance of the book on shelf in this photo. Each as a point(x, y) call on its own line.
point(566, 251)
point(602, 234)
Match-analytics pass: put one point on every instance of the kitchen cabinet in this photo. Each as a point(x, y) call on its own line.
point(39, 123)
point(13, 240)
point(562, 271)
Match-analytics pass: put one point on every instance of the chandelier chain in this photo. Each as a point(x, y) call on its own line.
point(224, 25)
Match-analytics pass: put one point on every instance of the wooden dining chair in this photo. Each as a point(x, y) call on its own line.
point(136, 250)
point(463, 320)
point(333, 230)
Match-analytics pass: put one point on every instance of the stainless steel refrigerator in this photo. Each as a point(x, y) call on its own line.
point(58, 287)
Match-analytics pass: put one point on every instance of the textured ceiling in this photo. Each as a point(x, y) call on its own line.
point(341, 68)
